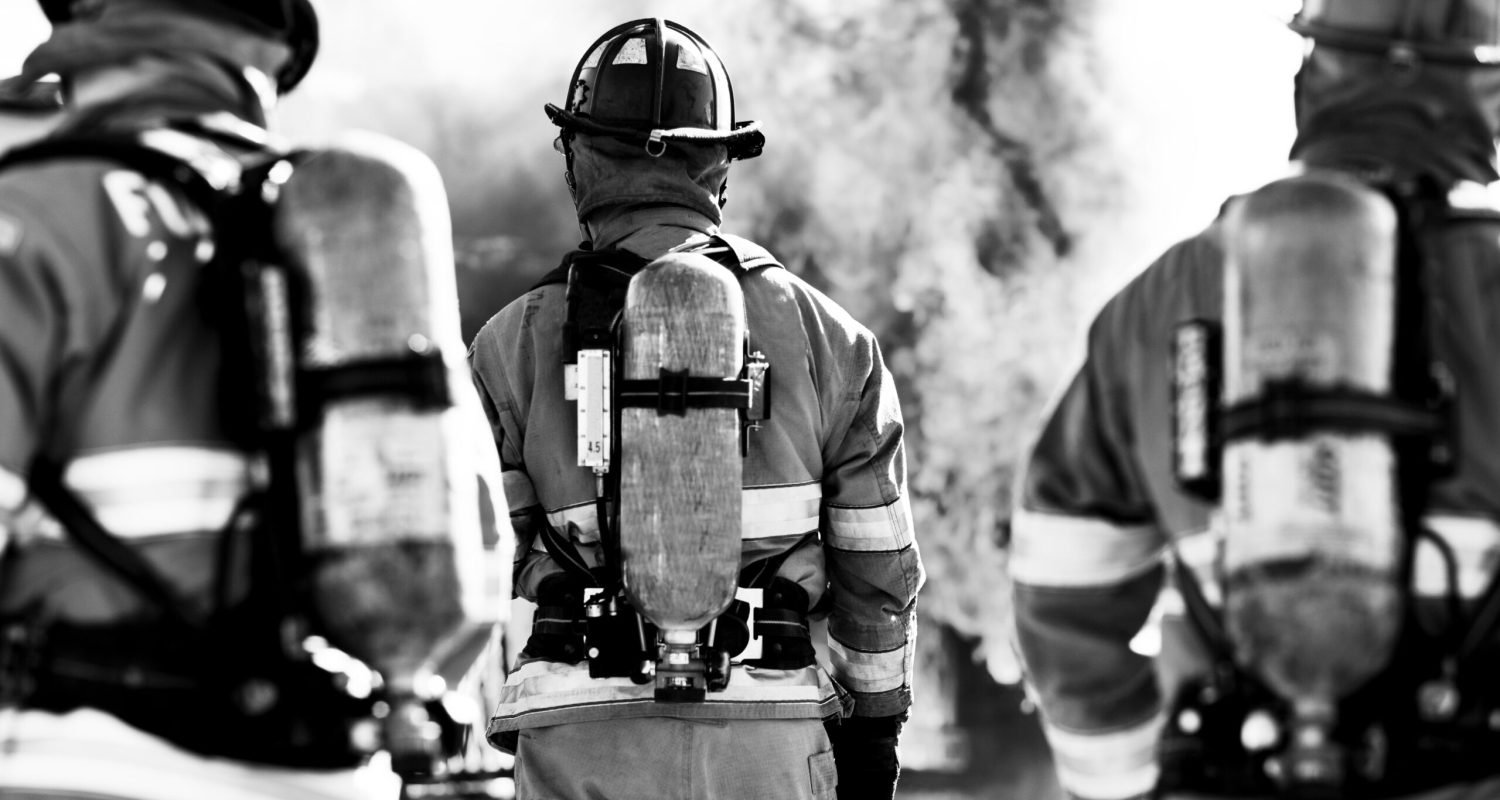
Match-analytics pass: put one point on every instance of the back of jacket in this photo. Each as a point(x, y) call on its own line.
point(829, 462)
point(109, 368)
point(1099, 504)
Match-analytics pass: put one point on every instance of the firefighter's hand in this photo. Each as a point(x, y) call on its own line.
point(554, 634)
point(864, 750)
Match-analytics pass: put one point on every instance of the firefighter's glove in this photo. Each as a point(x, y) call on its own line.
point(864, 750)
point(782, 627)
point(557, 628)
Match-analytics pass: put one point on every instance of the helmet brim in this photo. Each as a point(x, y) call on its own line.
point(743, 142)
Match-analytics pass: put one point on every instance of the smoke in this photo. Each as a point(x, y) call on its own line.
point(972, 178)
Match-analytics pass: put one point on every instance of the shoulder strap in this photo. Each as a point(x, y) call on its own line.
point(123, 149)
point(596, 283)
point(556, 275)
point(623, 262)
point(735, 252)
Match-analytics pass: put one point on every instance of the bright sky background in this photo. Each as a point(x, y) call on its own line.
point(499, 50)
point(1197, 79)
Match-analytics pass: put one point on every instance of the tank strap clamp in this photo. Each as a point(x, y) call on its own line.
point(420, 376)
point(675, 391)
point(1291, 409)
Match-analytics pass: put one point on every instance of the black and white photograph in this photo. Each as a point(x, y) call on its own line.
point(750, 400)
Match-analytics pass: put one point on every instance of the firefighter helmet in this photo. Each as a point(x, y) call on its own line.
point(654, 81)
point(1464, 32)
point(294, 22)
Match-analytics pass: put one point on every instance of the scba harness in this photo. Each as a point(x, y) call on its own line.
point(249, 678)
point(584, 613)
point(1430, 716)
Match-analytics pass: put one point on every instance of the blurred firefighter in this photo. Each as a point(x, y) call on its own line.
point(648, 133)
point(1399, 101)
point(131, 665)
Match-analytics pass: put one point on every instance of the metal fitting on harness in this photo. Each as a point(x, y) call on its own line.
point(765, 628)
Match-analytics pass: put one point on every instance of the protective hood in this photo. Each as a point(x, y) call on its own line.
point(609, 173)
point(1361, 111)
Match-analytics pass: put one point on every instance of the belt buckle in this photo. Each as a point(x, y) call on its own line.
point(756, 598)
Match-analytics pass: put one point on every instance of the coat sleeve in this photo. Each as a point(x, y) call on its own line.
point(1087, 566)
point(487, 370)
point(874, 568)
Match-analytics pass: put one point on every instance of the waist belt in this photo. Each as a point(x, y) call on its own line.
point(281, 711)
point(765, 628)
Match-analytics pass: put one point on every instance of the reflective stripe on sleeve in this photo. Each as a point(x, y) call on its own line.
point(1057, 550)
point(869, 672)
point(519, 493)
point(1106, 766)
point(774, 511)
point(1476, 544)
point(867, 530)
point(12, 491)
point(159, 491)
point(582, 521)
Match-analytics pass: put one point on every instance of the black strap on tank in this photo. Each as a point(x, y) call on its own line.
point(1290, 409)
point(675, 391)
point(419, 377)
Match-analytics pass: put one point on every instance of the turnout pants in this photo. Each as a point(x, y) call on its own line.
point(658, 758)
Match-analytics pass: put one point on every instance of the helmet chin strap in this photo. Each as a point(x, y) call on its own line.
point(564, 144)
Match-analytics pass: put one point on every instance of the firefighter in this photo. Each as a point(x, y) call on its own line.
point(109, 398)
point(1401, 97)
point(648, 133)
